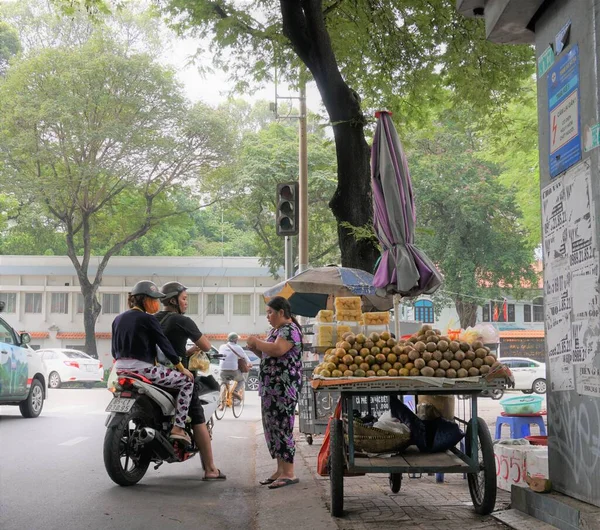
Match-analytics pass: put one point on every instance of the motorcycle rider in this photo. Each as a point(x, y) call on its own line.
point(135, 335)
point(179, 328)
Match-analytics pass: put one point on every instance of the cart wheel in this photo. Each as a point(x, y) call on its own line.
point(336, 467)
point(395, 482)
point(482, 485)
point(309, 439)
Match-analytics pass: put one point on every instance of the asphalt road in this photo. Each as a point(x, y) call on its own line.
point(52, 474)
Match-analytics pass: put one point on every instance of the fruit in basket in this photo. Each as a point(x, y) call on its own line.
point(358, 359)
point(345, 345)
point(409, 366)
point(330, 366)
point(375, 367)
point(337, 373)
point(414, 372)
point(433, 364)
point(364, 366)
point(392, 372)
point(374, 337)
point(431, 346)
point(397, 349)
point(427, 356)
point(473, 372)
point(419, 363)
point(386, 351)
point(461, 372)
point(342, 367)
point(403, 358)
point(376, 351)
point(454, 346)
point(437, 355)
point(404, 372)
point(466, 364)
point(385, 335)
point(444, 364)
point(370, 359)
point(442, 345)
point(392, 358)
point(451, 373)
point(386, 366)
point(433, 338)
point(379, 357)
point(360, 373)
point(484, 369)
point(325, 373)
point(364, 352)
point(347, 359)
point(348, 373)
point(360, 338)
point(370, 373)
point(465, 346)
point(340, 352)
point(353, 367)
point(391, 342)
point(440, 373)
point(481, 353)
point(477, 363)
point(459, 355)
point(369, 344)
point(397, 366)
point(448, 355)
point(426, 327)
point(427, 371)
point(413, 339)
point(477, 345)
point(454, 364)
point(381, 344)
point(489, 360)
point(352, 352)
point(381, 373)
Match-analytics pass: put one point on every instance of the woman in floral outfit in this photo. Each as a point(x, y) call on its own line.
point(280, 382)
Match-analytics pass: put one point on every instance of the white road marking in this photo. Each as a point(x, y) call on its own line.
point(75, 441)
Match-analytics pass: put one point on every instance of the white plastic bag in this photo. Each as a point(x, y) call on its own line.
point(388, 423)
point(488, 332)
point(112, 378)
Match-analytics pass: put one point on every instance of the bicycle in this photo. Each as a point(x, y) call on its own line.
point(227, 399)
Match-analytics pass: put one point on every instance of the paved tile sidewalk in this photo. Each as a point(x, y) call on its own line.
point(421, 504)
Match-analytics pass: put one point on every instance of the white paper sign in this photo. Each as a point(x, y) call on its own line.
point(561, 373)
point(581, 238)
point(585, 297)
point(586, 340)
point(588, 379)
point(554, 222)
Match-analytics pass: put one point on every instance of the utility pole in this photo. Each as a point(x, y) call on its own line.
point(303, 180)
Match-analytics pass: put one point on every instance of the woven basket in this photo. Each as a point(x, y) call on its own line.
point(373, 440)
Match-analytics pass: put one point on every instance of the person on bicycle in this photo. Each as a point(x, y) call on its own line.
point(135, 335)
point(179, 328)
point(231, 353)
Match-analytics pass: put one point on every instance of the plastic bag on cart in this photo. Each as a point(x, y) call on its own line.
point(388, 423)
point(430, 436)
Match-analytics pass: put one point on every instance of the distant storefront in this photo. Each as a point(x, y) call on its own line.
point(523, 343)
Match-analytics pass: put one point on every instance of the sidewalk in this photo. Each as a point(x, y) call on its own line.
point(421, 504)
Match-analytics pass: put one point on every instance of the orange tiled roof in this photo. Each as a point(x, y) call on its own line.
point(522, 334)
point(37, 334)
point(103, 335)
point(70, 335)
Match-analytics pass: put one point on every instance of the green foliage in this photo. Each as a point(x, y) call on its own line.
point(477, 235)
point(10, 45)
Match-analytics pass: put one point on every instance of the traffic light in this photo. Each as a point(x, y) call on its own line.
point(286, 218)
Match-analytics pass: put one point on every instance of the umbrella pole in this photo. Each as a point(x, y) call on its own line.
point(397, 316)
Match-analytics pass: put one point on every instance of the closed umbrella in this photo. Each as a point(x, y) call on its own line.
point(308, 291)
point(403, 269)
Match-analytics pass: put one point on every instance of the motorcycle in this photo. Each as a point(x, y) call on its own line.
point(138, 426)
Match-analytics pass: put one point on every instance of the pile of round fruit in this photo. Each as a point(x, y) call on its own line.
point(427, 353)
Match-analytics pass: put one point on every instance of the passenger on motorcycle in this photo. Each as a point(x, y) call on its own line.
point(178, 328)
point(135, 335)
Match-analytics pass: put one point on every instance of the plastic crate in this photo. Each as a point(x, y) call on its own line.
point(522, 405)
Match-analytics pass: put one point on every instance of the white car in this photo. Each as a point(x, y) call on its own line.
point(22, 372)
point(70, 366)
point(530, 375)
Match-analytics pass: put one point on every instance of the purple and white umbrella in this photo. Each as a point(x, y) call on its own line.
point(403, 268)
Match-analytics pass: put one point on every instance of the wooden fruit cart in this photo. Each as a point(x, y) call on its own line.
point(477, 459)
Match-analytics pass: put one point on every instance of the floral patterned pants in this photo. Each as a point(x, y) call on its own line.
point(278, 425)
point(168, 378)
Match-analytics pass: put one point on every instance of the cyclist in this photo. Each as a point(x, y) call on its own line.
point(179, 328)
point(231, 353)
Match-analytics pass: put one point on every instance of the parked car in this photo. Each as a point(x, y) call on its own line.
point(71, 366)
point(530, 375)
point(22, 372)
point(251, 380)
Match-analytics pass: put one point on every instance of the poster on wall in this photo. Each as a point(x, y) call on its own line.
point(561, 373)
point(563, 110)
point(588, 379)
point(554, 223)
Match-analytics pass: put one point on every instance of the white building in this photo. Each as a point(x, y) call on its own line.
point(42, 295)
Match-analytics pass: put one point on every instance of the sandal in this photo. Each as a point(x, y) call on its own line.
point(281, 482)
point(267, 481)
point(220, 476)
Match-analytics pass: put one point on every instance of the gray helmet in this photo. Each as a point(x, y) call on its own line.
point(148, 288)
point(232, 337)
point(171, 289)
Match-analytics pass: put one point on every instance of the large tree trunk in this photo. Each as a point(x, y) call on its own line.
point(304, 25)
point(467, 312)
point(91, 310)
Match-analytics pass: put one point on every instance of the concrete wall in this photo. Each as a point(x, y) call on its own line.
point(574, 419)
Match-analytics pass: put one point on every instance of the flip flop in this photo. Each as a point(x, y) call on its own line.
point(220, 476)
point(267, 481)
point(281, 482)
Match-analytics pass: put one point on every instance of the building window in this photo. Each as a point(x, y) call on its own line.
point(511, 312)
point(527, 313)
point(192, 304)
point(215, 304)
point(111, 303)
point(33, 302)
point(424, 311)
point(538, 309)
point(59, 303)
point(485, 313)
point(10, 302)
point(80, 306)
point(241, 304)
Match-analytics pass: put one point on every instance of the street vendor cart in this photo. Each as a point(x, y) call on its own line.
point(477, 459)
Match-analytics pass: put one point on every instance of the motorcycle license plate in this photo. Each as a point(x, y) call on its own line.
point(120, 405)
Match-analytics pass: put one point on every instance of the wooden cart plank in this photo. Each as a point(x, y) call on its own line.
point(416, 458)
point(411, 460)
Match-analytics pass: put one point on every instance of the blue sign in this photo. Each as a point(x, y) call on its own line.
point(562, 37)
point(563, 109)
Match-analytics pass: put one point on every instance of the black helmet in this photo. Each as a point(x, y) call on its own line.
point(148, 288)
point(171, 289)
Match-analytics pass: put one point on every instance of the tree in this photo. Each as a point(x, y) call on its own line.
point(395, 54)
point(10, 45)
point(473, 228)
point(99, 139)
